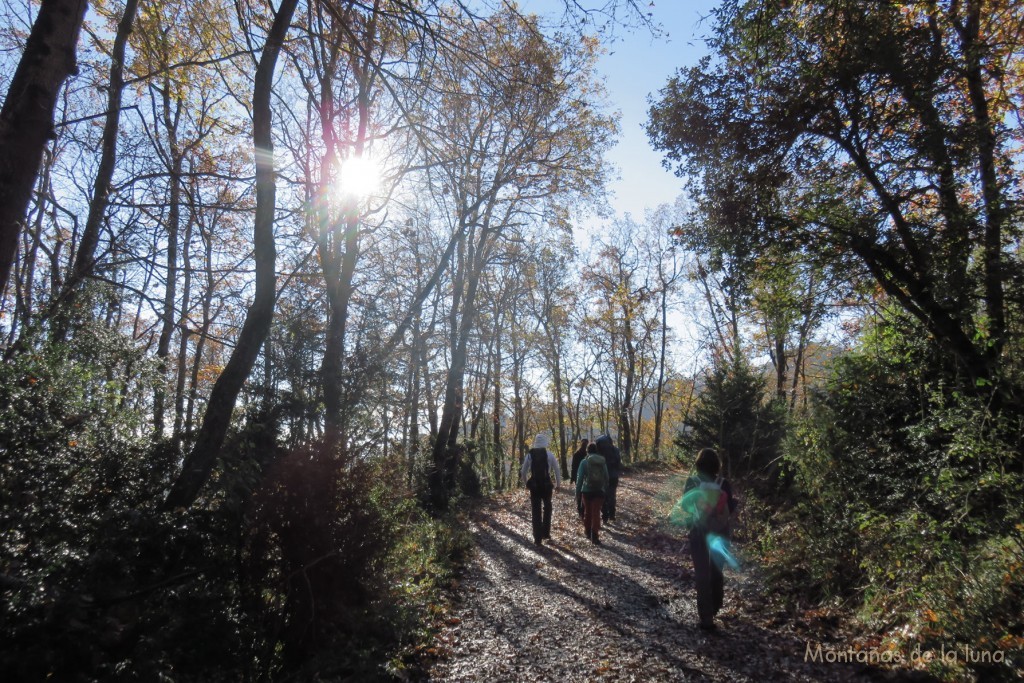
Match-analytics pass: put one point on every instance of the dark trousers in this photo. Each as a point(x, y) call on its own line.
point(708, 578)
point(592, 513)
point(608, 510)
point(541, 522)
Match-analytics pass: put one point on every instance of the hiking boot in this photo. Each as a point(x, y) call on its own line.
point(590, 534)
point(538, 541)
point(593, 539)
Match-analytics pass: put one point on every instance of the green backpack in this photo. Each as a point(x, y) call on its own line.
point(594, 470)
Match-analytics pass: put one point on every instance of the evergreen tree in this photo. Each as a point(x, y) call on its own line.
point(732, 416)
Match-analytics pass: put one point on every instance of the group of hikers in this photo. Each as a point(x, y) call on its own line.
point(705, 507)
point(595, 471)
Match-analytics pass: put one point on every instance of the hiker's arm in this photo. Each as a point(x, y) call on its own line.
point(733, 503)
point(553, 465)
point(524, 470)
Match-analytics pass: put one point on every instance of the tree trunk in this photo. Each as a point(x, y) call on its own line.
point(447, 430)
point(499, 469)
point(26, 120)
point(625, 405)
point(560, 408)
point(170, 289)
point(204, 332)
point(781, 366)
point(414, 406)
point(183, 335)
point(86, 256)
point(21, 324)
point(659, 405)
point(444, 464)
point(992, 194)
point(482, 384)
point(199, 462)
point(339, 287)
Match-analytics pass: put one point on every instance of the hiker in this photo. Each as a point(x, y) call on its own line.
point(538, 466)
point(707, 505)
point(591, 485)
point(613, 459)
point(577, 458)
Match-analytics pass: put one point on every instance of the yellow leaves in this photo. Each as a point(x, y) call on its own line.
point(1010, 641)
point(209, 372)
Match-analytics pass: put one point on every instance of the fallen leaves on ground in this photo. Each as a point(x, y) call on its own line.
point(622, 611)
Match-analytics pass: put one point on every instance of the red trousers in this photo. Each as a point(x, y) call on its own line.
point(592, 503)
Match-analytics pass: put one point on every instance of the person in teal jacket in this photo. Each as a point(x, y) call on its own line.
point(592, 483)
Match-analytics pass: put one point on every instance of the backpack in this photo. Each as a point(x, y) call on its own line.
point(705, 508)
point(594, 473)
point(540, 477)
point(714, 507)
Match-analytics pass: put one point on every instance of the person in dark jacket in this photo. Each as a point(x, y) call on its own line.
point(613, 459)
point(591, 485)
point(577, 458)
point(538, 471)
point(705, 547)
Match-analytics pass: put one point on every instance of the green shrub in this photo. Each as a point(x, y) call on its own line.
point(905, 504)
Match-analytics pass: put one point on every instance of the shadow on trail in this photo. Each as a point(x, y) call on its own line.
point(570, 610)
point(605, 597)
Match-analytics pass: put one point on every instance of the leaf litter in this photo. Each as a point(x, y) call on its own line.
point(622, 611)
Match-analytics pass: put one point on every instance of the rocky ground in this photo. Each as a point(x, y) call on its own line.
point(623, 611)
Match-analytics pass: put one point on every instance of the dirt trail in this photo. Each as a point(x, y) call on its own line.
point(624, 611)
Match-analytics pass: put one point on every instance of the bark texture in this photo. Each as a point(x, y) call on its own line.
point(26, 120)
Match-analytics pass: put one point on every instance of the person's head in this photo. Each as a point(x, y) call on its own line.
point(604, 444)
point(592, 448)
point(584, 442)
point(541, 440)
point(708, 462)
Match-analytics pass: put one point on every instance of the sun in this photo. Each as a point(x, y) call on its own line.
point(359, 178)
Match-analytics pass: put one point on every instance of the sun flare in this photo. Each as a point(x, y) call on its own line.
point(359, 178)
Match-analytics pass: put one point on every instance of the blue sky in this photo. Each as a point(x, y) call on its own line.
point(636, 66)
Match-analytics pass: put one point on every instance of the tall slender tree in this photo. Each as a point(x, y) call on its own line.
point(199, 462)
point(26, 119)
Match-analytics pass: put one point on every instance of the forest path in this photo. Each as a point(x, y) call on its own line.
point(623, 611)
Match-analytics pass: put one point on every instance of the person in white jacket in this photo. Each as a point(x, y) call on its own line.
point(540, 474)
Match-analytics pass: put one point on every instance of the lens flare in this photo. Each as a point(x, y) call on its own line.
point(720, 553)
point(687, 512)
point(359, 178)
